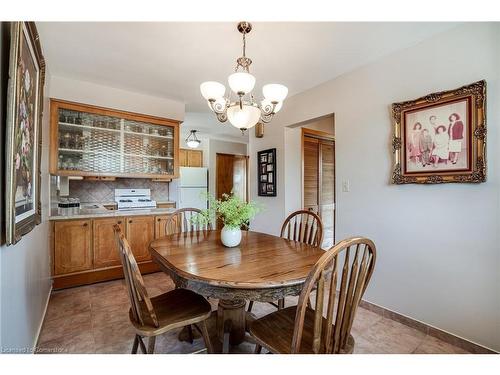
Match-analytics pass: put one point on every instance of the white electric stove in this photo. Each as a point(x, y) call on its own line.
point(127, 199)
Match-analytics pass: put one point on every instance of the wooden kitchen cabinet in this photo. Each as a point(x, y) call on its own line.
point(101, 143)
point(140, 231)
point(160, 222)
point(72, 246)
point(190, 158)
point(104, 242)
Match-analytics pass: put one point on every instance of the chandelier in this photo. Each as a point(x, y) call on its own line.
point(192, 140)
point(240, 106)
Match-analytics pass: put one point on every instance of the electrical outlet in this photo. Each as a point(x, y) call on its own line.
point(345, 186)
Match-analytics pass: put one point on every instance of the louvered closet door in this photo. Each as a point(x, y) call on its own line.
point(327, 190)
point(311, 174)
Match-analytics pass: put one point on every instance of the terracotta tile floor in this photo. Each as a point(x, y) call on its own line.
point(94, 319)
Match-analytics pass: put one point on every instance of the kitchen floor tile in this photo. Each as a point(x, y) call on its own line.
point(94, 318)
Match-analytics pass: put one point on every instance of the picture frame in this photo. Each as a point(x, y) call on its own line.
point(23, 133)
point(441, 137)
point(266, 171)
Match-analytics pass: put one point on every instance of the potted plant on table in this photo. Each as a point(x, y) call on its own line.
point(234, 213)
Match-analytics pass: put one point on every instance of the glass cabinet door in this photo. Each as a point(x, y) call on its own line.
point(112, 145)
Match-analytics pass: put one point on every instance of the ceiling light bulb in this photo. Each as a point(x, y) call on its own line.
point(275, 92)
point(241, 82)
point(244, 118)
point(212, 90)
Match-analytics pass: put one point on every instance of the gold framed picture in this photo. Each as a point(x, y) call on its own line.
point(24, 115)
point(441, 137)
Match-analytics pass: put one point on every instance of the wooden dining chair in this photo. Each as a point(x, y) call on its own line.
point(180, 221)
point(301, 226)
point(302, 329)
point(154, 316)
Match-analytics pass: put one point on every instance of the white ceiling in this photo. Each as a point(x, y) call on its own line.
point(171, 59)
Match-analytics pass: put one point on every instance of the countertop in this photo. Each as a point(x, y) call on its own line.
point(97, 210)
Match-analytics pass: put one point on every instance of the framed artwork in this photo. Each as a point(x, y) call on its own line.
point(24, 115)
point(441, 137)
point(266, 170)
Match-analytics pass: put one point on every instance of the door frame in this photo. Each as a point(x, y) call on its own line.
point(320, 135)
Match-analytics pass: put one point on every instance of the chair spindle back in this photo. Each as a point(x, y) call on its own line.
point(135, 284)
point(180, 221)
point(303, 226)
point(352, 262)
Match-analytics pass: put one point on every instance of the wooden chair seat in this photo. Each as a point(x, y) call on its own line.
point(275, 332)
point(176, 308)
point(154, 316)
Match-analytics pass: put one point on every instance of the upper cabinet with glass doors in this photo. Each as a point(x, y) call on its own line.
point(93, 141)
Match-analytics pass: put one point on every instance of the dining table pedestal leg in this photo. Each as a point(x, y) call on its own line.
point(231, 322)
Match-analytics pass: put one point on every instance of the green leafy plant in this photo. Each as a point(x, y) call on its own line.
point(231, 209)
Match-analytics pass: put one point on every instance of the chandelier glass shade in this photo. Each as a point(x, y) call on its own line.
point(240, 106)
point(192, 141)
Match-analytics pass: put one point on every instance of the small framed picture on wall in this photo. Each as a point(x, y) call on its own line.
point(266, 171)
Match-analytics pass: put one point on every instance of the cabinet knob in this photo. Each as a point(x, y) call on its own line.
point(119, 221)
point(85, 224)
point(130, 221)
point(159, 220)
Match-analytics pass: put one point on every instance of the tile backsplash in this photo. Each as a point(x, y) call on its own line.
point(104, 191)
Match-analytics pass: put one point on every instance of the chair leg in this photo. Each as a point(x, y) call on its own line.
point(141, 344)
point(250, 305)
point(190, 334)
point(258, 349)
point(281, 304)
point(206, 337)
point(151, 344)
point(136, 344)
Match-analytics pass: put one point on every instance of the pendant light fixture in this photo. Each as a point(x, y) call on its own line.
point(243, 112)
point(192, 141)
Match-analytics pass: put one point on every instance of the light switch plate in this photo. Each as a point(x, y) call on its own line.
point(345, 186)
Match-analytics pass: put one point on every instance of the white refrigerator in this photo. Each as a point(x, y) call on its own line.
point(193, 186)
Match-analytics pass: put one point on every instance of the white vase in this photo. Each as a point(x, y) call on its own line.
point(230, 237)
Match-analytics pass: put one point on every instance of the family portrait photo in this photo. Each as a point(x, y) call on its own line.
point(437, 138)
point(441, 137)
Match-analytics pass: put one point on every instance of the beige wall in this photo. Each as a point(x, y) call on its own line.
point(25, 267)
point(438, 253)
point(110, 97)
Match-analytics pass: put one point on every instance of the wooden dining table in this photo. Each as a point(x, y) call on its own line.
point(262, 268)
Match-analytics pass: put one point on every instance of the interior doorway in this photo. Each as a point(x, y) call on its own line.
point(318, 179)
point(231, 173)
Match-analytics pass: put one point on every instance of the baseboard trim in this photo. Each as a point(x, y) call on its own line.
point(40, 326)
point(428, 329)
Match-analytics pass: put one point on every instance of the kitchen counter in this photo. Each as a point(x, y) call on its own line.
point(96, 210)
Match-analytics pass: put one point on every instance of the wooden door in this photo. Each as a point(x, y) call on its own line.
point(231, 175)
point(194, 158)
point(140, 232)
point(72, 246)
point(311, 174)
point(104, 244)
point(327, 190)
